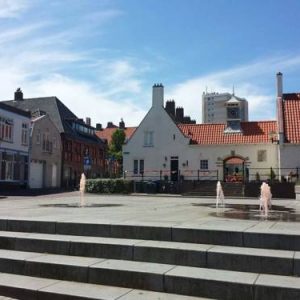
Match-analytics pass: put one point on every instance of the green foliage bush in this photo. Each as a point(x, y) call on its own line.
point(109, 186)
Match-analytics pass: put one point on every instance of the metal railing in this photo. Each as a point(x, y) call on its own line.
point(175, 175)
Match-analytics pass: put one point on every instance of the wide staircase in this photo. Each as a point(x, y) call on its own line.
point(64, 260)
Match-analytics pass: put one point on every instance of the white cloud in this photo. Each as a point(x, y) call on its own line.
point(249, 81)
point(84, 100)
point(12, 8)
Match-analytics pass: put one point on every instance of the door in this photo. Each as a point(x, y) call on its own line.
point(54, 175)
point(36, 175)
point(174, 168)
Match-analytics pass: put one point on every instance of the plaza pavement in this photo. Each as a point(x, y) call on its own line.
point(148, 210)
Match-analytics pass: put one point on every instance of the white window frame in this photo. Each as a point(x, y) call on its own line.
point(148, 138)
point(203, 164)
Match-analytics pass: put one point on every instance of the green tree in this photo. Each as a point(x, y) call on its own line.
point(115, 146)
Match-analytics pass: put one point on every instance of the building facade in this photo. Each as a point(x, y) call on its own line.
point(45, 153)
point(232, 151)
point(14, 146)
point(214, 107)
point(82, 150)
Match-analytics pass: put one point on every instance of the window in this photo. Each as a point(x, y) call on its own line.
point(138, 166)
point(55, 144)
point(24, 134)
point(261, 155)
point(6, 129)
point(204, 164)
point(47, 144)
point(38, 137)
point(148, 139)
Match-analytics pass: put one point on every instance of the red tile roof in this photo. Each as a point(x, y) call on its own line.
point(252, 133)
point(291, 112)
point(108, 132)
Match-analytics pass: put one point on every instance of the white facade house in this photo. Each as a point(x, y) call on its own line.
point(14, 146)
point(159, 148)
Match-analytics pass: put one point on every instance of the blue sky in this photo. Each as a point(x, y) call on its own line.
point(101, 57)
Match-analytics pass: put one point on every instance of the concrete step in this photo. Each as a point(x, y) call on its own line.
point(232, 237)
point(281, 262)
point(34, 288)
point(197, 282)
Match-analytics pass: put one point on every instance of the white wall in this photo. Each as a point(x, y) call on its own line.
point(157, 158)
point(17, 131)
point(168, 141)
point(289, 158)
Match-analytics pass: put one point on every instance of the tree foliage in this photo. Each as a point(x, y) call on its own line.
point(115, 146)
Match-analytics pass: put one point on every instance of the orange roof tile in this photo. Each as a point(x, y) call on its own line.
point(252, 133)
point(108, 132)
point(291, 112)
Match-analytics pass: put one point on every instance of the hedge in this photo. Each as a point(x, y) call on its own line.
point(109, 186)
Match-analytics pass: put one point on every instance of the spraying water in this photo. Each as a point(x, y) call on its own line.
point(82, 189)
point(265, 199)
point(220, 194)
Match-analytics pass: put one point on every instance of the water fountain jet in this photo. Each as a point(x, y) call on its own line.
point(220, 195)
point(82, 189)
point(265, 199)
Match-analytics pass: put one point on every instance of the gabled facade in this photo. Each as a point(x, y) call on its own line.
point(45, 153)
point(14, 146)
point(82, 150)
point(159, 148)
point(288, 111)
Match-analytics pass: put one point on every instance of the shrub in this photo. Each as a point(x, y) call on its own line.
point(272, 174)
point(257, 176)
point(109, 186)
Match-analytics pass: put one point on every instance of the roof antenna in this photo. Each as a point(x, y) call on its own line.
point(233, 90)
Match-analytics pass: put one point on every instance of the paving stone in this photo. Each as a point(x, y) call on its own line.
point(22, 287)
point(3, 225)
point(60, 267)
point(171, 253)
point(204, 236)
point(42, 245)
point(251, 260)
point(272, 240)
point(14, 261)
point(102, 247)
point(297, 264)
point(146, 295)
point(75, 290)
point(31, 226)
point(210, 283)
point(277, 287)
point(139, 275)
point(141, 232)
point(83, 229)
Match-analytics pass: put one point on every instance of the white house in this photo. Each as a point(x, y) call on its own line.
point(232, 151)
point(45, 152)
point(14, 145)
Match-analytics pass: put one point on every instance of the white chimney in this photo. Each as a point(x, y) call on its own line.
point(279, 84)
point(158, 95)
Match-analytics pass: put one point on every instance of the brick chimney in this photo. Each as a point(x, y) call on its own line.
point(158, 95)
point(280, 108)
point(88, 121)
point(19, 95)
point(179, 114)
point(98, 126)
point(122, 124)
